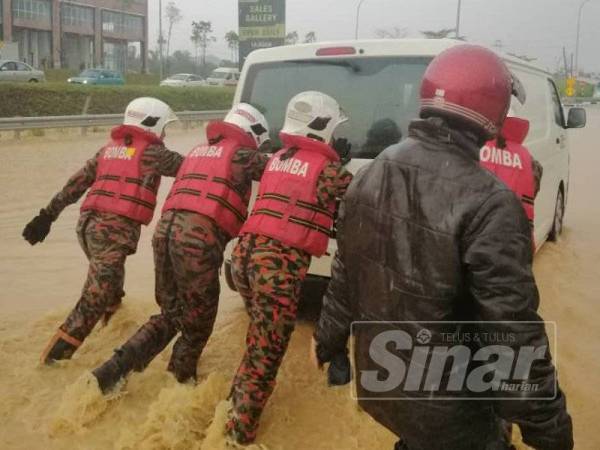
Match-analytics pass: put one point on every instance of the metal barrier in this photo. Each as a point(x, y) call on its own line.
point(99, 120)
point(575, 101)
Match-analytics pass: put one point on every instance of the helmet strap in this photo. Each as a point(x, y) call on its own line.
point(216, 140)
point(315, 137)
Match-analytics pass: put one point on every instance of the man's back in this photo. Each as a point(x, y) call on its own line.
point(427, 235)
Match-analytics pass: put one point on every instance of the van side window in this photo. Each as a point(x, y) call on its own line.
point(559, 117)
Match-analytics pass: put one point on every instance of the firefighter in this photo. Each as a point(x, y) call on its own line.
point(290, 223)
point(510, 160)
point(206, 207)
point(123, 179)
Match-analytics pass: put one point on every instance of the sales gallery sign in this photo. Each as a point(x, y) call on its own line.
point(262, 25)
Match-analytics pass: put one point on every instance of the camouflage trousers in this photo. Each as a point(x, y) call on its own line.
point(268, 275)
point(107, 240)
point(188, 253)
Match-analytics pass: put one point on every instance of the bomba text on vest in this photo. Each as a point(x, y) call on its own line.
point(207, 152)
point(292, 166)
point(120, 152)
point(501, 157)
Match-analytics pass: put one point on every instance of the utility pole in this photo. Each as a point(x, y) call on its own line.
point(583, 3)
point(358, 18)
point(458, 13)
point(160, 40)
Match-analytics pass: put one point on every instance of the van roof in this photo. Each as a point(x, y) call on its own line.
point(371, 47)
point(226, 69)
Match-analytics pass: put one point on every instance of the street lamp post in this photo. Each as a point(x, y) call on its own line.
point(583, 3)
point(458, 11)
point(160, 39)
point(358, 17)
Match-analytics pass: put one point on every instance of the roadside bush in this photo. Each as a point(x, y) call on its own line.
point(133, 78)
point(583, 89)
point(31, 100)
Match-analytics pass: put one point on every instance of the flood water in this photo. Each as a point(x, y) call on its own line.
point(56, 408)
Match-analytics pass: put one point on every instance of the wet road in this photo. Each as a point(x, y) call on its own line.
point(39, 284)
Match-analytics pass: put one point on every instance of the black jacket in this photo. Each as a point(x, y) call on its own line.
point(426, 234)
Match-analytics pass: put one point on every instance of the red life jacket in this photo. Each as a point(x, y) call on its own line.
point(513, 164)
point(204, 184)
point(120, 188)
point(287, 207)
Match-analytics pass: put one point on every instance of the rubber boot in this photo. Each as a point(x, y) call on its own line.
point(61, 347)
point(184, 362)
point(114, 370)
point(400, 445)
point(339, 372)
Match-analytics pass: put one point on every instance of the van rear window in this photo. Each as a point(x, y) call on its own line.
point(381, 95)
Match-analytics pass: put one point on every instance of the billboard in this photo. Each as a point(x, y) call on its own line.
point(262, 25)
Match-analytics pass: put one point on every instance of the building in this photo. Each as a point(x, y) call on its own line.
point(78, 34)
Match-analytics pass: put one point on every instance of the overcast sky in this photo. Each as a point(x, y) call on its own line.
point(539, 28)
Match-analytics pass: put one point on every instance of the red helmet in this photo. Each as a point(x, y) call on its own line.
point(469, 84)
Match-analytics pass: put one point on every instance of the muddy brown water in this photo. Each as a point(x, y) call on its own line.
point(57, 407)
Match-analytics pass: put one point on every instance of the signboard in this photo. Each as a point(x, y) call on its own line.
point(571, 86)
point(262, 25)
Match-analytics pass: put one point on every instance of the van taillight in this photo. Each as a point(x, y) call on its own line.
point(336, 51)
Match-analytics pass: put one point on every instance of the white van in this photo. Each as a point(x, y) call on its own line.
point(224, 76)
point(377, 82)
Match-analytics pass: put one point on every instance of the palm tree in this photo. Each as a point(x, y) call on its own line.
point(310, 37)
point(173, 17)
point(233, 42)
point(201, 37)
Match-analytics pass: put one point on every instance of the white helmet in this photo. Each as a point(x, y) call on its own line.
point(149, 114)
point(250, 119)
point(314, 115)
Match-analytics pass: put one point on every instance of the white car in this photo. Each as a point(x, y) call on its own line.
point(184, 80)
point(16, 71)
point(377, 82)
point(224, 76)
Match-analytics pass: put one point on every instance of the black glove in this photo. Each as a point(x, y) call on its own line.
point(339, 372)
point(342, 147)
point(37, 230)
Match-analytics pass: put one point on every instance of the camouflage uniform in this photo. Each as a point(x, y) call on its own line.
point(107, 239)
point(188, 253)
point(269, 275)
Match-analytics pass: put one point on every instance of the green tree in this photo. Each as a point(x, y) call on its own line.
point(292, 38)
point(233, 42)
point(310, 37)
point(438, 34)
point(202, 37)
point(394, 33)
point(174, 16)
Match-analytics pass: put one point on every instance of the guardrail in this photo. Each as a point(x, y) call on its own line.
point(572, 101)
point(18, 124)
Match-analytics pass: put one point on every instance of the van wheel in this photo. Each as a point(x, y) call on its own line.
point(559, 215)
point(33, 80)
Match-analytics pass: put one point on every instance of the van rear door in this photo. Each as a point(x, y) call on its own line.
point(379, 94)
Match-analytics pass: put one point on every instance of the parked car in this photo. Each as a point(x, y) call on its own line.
point(224, 76)
point(17, 71)
point(98, 77)
point(184, 80)
point(377, 83)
